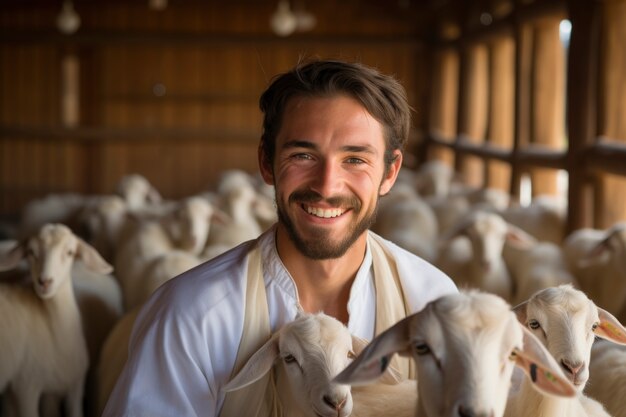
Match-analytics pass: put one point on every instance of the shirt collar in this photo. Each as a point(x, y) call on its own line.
point(276, 272)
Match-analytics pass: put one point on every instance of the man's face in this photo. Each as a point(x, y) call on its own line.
point(328, 173)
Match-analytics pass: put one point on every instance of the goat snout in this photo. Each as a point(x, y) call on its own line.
point(572, 367)
point(44, 282)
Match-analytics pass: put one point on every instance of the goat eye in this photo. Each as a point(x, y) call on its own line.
point(594, 326)
point(289, 358)
point(422, 349)
point(534, 324)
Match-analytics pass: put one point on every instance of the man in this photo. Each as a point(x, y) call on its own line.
point(332, 142)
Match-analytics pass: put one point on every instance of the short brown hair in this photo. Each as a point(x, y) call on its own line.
point(382, 96)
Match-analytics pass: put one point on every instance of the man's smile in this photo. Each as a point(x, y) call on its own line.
point(324, 212)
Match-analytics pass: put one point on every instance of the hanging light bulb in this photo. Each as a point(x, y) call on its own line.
point(157, 4)
point(68, 21)
point(283, 22)
point(305, 20)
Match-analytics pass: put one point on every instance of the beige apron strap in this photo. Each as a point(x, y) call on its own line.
point(391, 305)
point(257, 399)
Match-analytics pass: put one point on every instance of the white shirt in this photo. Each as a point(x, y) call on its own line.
point(185, 340)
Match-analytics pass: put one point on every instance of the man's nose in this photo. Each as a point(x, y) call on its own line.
point(327, 179)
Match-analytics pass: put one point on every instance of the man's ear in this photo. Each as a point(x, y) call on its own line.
point(392, 173)
point(265, 166)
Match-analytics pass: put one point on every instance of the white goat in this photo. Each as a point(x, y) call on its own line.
point(43, 346)
point(105, 220)
point(543, 218)
point(433, 178)
point(566, 322)
point(465, 347)
point(239, 199)
point(462, 200)
point(405, 219)
point(597, 258)
point(137, 191)
point(186, 228)
point(306, 354)
point(471, 253)
point(535, 265)
point(607, 376)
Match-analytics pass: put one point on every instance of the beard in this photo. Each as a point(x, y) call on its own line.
point(320, 246)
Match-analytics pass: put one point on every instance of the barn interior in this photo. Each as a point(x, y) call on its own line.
point(525, 98)
point(507, 92)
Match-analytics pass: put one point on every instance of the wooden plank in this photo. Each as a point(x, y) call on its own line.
point(548, 99)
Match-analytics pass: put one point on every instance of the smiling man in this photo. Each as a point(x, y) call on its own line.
point(333, 136)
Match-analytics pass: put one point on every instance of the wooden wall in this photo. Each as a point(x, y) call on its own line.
point(170, 94)
point(531, 104)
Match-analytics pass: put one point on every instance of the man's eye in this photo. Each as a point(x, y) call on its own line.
point(355, 161)
point(301, 156)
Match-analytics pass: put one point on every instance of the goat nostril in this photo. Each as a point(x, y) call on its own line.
point(470, 412)
point(342, 403)
point(464, 412)
point(337, 405)
point(573, 368)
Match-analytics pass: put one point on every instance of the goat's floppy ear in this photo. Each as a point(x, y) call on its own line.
point(541, 368)
point(610, 328)
point(375, 358)
point(519, 238)
point(92, 258)
point(219, 216)
point(597, 254)
point(12, 258)
point(391, 376)
point(258, 365)
point(153, 195)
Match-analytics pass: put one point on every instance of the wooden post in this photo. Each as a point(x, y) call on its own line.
point(581, 103)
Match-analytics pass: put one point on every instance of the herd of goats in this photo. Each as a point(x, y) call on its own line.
point(535, 330)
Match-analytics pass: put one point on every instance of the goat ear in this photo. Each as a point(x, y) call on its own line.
point(520, 312)
point(518, 237)
point(391, 376)
point(541, 368)
point(610, 328)
point(258, 365)
point(220, 217)
point(92, 258)
point(598, 253)
point(12, 258)
point(153, 195)
point(373, 361)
